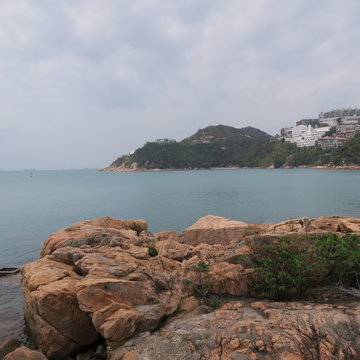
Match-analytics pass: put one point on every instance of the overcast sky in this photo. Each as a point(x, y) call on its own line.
point(83, 82)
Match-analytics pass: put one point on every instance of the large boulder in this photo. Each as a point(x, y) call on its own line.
point(51, 309)
point(173, 249)
point(98, 281)
point(109, 287)
point(212, 230)
point(93, 232)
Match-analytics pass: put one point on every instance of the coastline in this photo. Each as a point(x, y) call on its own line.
point(323, 167)
point(84, 290)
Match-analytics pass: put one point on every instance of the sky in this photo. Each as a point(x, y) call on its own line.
point(83, 82)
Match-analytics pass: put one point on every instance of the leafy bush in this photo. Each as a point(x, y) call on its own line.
point(248, 232)
point(214, 301)
point(203, 267)
point(288, 269)
point(245, 260)
point(202, 288)
point(284, 271)
point(152, 251)
point(201, 283)
point(340, 257)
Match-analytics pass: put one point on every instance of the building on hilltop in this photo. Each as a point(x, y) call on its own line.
point(351, 120)
point(286, 132)
point(312, 122)
point(340, 113)
point(308, 132)
point(305, 136)
point(347, 130)
point(329, 142)
point(165, 141)
point(336, 116)
point(330, 121)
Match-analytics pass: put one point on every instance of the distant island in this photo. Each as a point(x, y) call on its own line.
point(223, 146)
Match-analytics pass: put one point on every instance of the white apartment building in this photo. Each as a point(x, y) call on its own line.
point(329, 121)
point(304, 136)
point(346, 121)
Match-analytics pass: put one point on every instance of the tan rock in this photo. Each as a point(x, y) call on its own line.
point(231, 279)
point(212, 230)
point(75, 295)
point(51, 310)
point(119, 308)
point(167, 235)
point(342, 224)
point(101, 281)
point(173, 249)
point(23, 353)
point(91, 232)
point(189, 304)
point(238, 331)
point(290, 356)
point(301, 225)
point(8, 346)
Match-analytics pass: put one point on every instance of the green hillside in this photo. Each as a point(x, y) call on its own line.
point(225, 146)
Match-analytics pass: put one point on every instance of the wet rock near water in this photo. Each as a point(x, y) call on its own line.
point(8, 346)
point(99, 292)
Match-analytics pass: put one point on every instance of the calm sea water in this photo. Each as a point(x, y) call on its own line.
point(33, 207)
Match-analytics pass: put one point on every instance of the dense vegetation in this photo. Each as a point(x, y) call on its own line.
point(224, 146)
point(288, 269)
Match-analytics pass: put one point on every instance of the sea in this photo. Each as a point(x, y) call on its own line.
point(37, 203)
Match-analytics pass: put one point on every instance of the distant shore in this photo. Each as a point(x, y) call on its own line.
point(132, 169)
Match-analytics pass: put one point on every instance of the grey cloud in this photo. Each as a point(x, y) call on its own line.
point(83, 82)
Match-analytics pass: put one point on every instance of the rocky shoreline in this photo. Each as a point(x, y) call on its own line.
point(109, 289)
point(135, 168)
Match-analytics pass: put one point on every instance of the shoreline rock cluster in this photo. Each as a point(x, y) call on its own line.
point(98, 290)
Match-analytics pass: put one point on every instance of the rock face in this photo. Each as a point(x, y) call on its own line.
point(212, 230)
point(93, 232)
point(96, 282)
point(8, 346)
point(255, 330)
point(341, 224)
point(23, 353)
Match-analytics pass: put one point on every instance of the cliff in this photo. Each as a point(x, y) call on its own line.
point(111, 284)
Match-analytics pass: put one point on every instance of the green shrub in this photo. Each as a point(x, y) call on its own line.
point(245, 260)
point(201, 283)
point(214, 301)
point(152, 251)
point(203, 267)
point(340, 257)
point(201, 289)
point(248, 232)
point(286, 270)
